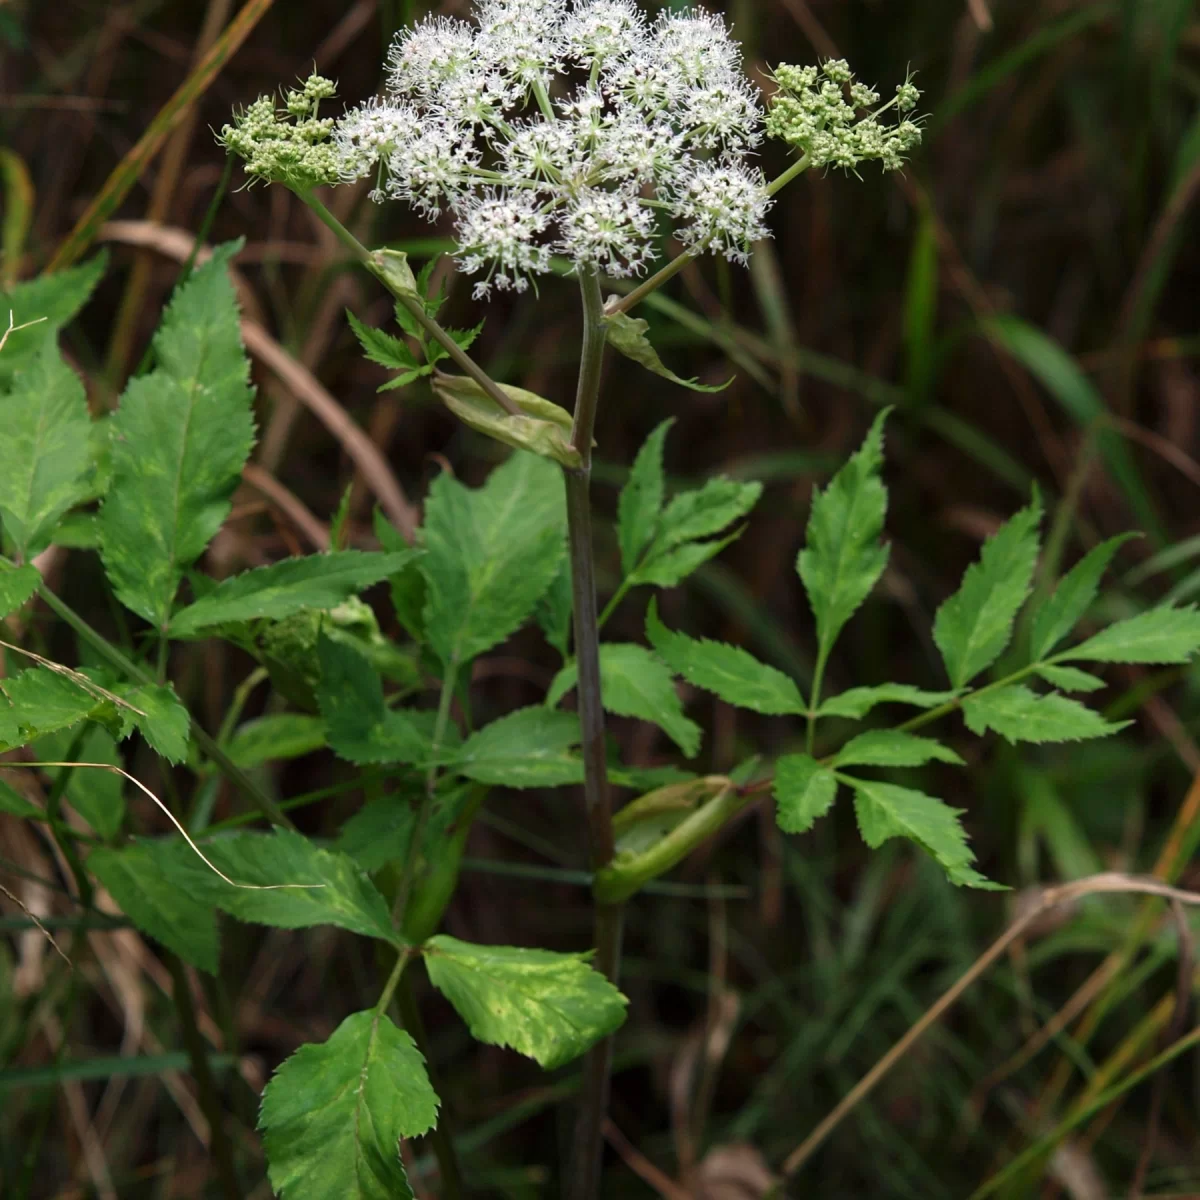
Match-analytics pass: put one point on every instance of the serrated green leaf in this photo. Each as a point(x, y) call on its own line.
point(892, 748)
point(333, 1115)
point(283, 588)
point(548, 1006)
point(704, 511)
point(277, 736)
point(727, 671)
point(41, 701)
point(1159, 635)
point(346, 897)
point(886, 810)
point(528, 748)
point(628, 335)
point(161, 719)
point(974, 625)
point(641, 498)
point(1069, 679)
point(44, 451)
point(634, 683)
point(180, 439)
point(553, 611)
point(804, 791)
point(17, 586)
point(856, 702)
point(143, 880)
point(1020, 715)
point(1072, 597)
point(540, 427)
point(55, 299)
point(360, 726)
point(407, 584)
point(490, 554)
point(667, 568)
point(383, 348)
point(843, 558)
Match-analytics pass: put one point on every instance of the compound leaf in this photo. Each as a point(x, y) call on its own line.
point(727, 671)
point(490, 554)
point(892, 748)
point(804, 790)
point(45, 453)
point(843, 558)
point(143, 879)
point(974, 625)
point(635, 683)
point(284, 588)
point(856, 702)
point(343, 895)
point(1072, 597)
point(886, 810)
point(333, 1115)
point(1020, 715)
point(548, 1006)
point(1159, 635)
point(641, 498)
point(531, 747)
point(180, 439)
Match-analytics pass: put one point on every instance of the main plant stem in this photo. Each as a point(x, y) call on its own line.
point(583, 1176)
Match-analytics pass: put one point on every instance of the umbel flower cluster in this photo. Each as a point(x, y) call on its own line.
point(553, 128)
point(569, 127)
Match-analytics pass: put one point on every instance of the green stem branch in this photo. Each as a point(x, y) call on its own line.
point(365, 258)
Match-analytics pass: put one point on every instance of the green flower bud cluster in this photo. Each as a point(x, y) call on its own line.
point(831, 118)
point(292, 148)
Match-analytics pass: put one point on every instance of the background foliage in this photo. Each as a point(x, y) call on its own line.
point(1024, 296)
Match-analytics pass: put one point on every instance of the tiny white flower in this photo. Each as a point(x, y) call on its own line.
point(498, 233)
point(723, 207)
point(697, 46)
point(371, 133)
point(610, 231)
point(599, 30)
point(430, 54)
point(432, 169)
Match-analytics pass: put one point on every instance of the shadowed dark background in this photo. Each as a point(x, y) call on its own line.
point(1024, 294)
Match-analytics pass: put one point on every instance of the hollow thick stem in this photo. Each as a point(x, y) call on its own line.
point(583, 1176)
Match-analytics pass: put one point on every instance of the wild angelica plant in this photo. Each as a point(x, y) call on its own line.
point(549, 134)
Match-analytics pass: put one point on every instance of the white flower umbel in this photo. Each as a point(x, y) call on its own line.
point(552, 127)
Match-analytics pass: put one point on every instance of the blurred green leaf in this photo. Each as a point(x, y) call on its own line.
point(161, 718)
point(804, 791)
point(1020, 715)
point(17, 585)
point(550, 1007)
point(1160, 635)
point(856, 702)
point(892, 748)
point(628, 335)
point(275, 736)
point(1069, 679)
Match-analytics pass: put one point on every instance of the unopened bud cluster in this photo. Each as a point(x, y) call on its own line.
point(832, 119)
point(294, 149)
